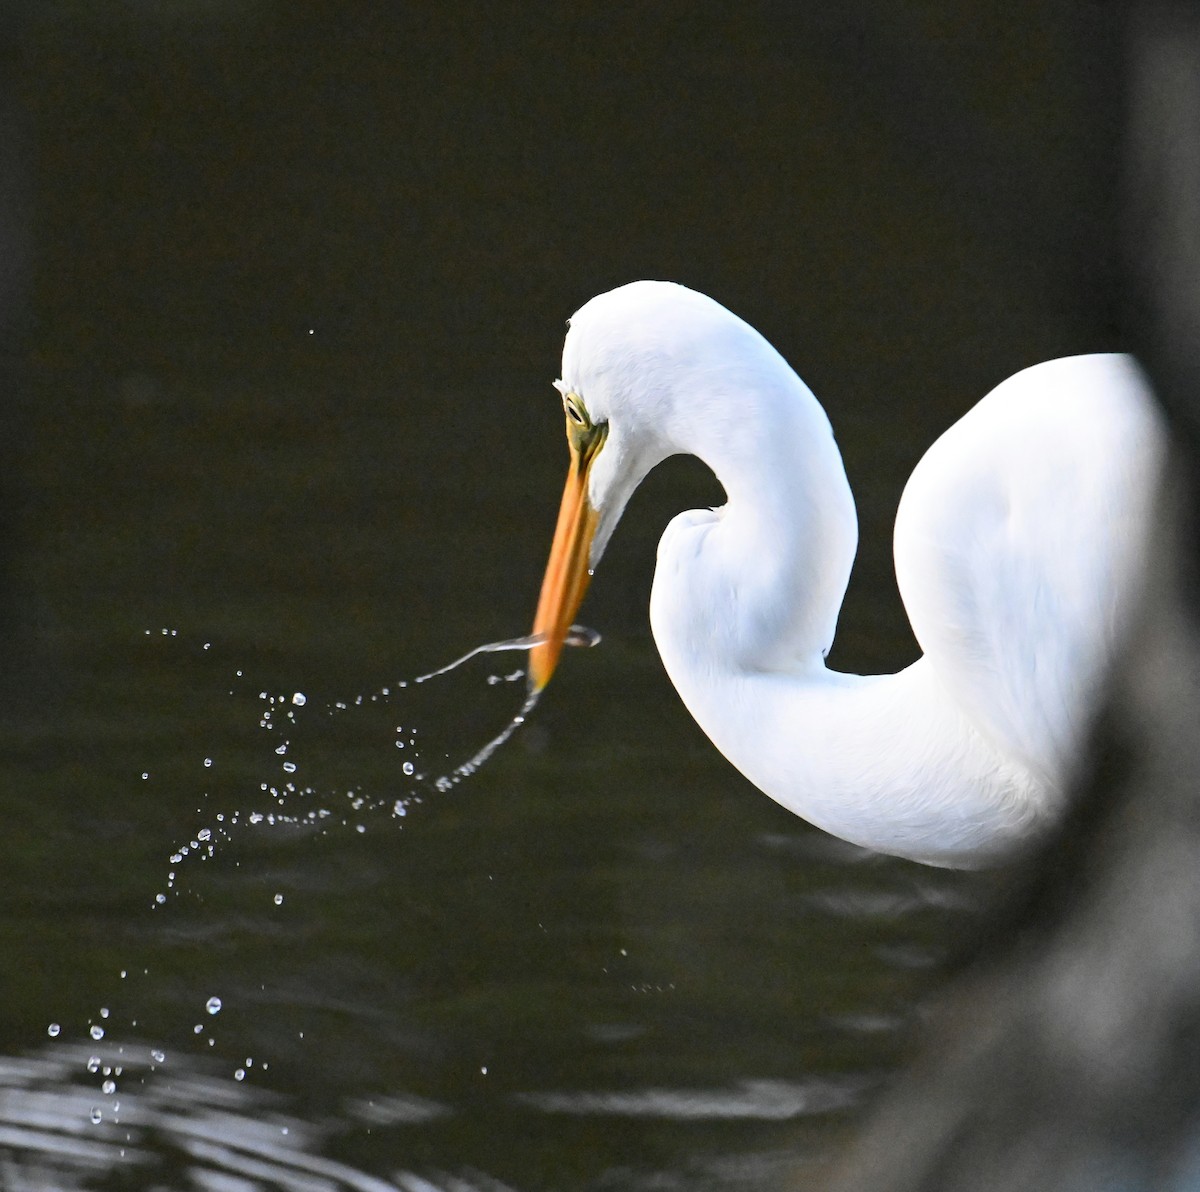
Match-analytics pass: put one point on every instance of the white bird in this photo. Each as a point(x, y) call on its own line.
point(1017, 548)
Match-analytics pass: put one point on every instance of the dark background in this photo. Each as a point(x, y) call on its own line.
point(284, 287)
point(393, 208)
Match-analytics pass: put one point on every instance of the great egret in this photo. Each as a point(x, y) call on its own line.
point(1016, 547)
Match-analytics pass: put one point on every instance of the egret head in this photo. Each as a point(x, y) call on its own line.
point(634, 361)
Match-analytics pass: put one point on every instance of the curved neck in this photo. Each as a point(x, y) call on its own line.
point(779, 552)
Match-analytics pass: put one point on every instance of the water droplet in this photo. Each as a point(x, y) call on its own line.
point(93, 1064)
point(240, 1074)
point(299, 699)
point(53, 1029)
point(160, 898)
point(104, 1012)
point(256, 817)
point(204, 834)
point(97, 1032)
point(399, 808)
point(289, 767)
point(108, 1087)
point(213, 1005)
point(207, 762)
point(144, 775)
point(409, 768)
point(282, 749)
point(158, 1056)
point(279, 900)
point(96, 1115)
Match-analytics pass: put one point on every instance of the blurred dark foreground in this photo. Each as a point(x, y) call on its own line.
point(1069, 1056)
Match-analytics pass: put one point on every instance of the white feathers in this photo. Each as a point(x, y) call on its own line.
point(1016, 551)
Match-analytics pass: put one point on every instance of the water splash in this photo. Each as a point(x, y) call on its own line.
point(287, 715)
point(281, 713)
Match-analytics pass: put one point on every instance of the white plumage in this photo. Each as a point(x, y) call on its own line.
point(1017, 550)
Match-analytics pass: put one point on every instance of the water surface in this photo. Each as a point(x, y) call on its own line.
point(601, 961)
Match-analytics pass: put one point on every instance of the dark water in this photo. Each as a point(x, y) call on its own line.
point(602, 961)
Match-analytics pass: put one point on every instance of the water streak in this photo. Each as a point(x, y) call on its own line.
point(577, 635)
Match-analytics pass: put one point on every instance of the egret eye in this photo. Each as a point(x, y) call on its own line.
point(575, 414)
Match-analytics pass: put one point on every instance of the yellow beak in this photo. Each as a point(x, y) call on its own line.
point(567, 573)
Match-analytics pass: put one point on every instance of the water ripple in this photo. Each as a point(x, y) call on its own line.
point(762, 1100)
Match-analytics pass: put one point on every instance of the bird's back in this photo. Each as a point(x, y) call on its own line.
point(1017, 549)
